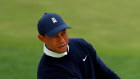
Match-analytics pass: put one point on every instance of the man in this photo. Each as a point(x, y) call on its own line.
point(66, 58)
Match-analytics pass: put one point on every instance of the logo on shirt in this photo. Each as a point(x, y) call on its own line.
point(54, 20)
point(85, 58)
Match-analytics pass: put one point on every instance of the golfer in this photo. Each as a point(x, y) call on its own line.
point(67, 58)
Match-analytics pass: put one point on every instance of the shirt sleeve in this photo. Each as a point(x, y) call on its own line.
point(101, 70)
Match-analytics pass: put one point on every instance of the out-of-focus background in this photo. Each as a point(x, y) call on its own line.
point(111, 26)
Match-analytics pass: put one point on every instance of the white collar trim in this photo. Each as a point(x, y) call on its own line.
point(54, 54)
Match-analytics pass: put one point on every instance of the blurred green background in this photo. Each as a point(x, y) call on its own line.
point(111, 26)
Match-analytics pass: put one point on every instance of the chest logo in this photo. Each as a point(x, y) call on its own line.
point(54, 20)
point(84, 59)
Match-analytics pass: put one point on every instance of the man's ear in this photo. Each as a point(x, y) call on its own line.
point(41, 37)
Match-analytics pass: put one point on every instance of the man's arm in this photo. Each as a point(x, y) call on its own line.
point(101, 70)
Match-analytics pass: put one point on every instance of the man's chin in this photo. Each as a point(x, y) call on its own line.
point(61, 51)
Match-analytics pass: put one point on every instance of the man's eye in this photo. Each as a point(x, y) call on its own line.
point(55, 36)
point(63, 33)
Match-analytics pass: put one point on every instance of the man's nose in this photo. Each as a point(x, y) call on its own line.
point(61, 38)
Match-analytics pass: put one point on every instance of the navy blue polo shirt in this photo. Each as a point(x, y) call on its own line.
point(81, 62)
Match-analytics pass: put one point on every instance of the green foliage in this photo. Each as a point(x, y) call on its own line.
point(112, 27)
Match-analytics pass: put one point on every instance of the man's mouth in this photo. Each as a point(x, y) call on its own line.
point(62, 46)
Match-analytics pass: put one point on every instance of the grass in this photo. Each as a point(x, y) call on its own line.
point(112, 27)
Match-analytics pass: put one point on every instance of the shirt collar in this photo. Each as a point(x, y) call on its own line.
point(54, 54)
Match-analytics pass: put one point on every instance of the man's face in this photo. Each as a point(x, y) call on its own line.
point(57, 43)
